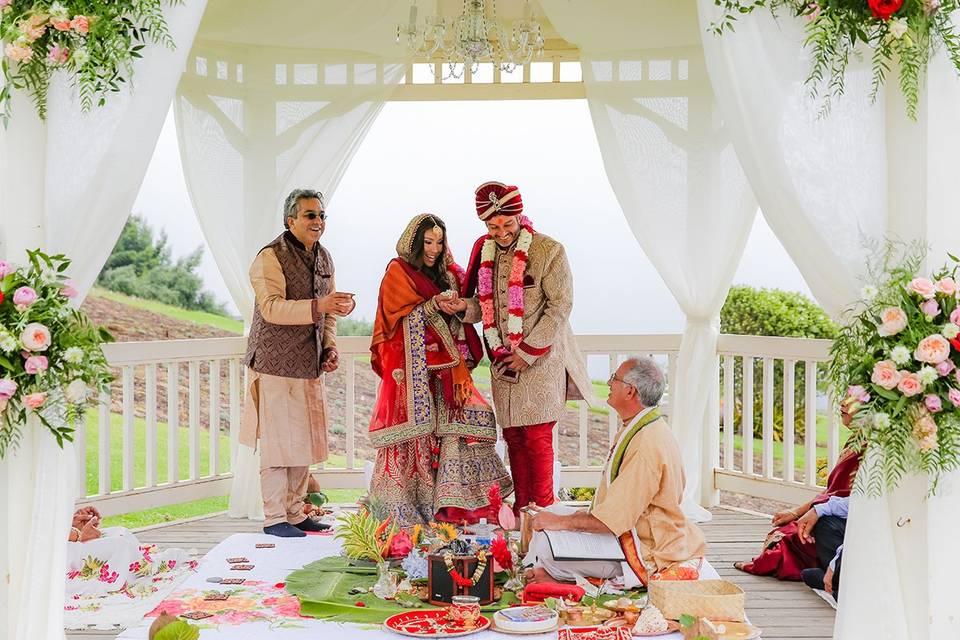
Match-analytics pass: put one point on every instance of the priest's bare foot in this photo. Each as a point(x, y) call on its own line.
point(538, 574)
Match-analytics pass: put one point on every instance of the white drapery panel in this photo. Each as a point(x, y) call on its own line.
point(669, 160)
point(263, 109)
point(68, 186)
point(820, 180)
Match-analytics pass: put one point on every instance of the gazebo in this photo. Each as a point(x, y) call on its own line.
point(696, 132)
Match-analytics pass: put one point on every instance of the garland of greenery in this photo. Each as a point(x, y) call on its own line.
point(94, 41)
point(908, 31)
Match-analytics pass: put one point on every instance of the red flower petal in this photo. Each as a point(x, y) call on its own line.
point(280, 585)
point(359, 603)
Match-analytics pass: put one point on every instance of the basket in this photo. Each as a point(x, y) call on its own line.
point(713, 599)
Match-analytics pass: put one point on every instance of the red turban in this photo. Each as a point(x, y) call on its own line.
point(498, 199)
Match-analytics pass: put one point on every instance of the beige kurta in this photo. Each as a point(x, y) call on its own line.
point(646, 497)
point(287, 415)
point(541, 392)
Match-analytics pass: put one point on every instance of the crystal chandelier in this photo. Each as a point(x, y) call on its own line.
point(474, 38)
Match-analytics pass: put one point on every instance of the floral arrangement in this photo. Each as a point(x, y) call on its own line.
point(50, 355)
point(908, 31)
point(366, 538)
point(94, 41)
point(895, 367)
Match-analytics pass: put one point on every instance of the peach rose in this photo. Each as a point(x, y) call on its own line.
point(909, 384)
point(922, 287)
point(35, 337)
point(893, 320)
point(932, 349)
point(80, 24)
point(885, 374)
point(34, 400)
point(18, 51)
point(60, 25)
point(946, 286)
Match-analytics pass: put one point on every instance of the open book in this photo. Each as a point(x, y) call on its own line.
point(578, 545)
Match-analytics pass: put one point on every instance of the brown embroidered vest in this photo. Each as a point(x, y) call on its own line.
point(292, 351)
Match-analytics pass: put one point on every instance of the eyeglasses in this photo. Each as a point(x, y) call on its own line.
point(310, 215)
point(613, 376)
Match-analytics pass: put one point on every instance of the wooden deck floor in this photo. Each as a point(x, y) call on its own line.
point(784, 610)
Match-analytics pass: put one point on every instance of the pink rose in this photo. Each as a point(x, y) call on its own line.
point(955, 316)
point(24, 297)
point(35, 337)
point(947, 286)
point(35, 365)
point(954, 397)
point(34, 400)
point(58, 54)
point(944, 368)
point(5, 268)
point(18, 52)
point(5, 3)
point(909, 384)
point(80, 24)
point(932, 402)
point(7, 388)
point(930, 308)
point(885, 374)
point(68, 290)
point(893, 320)
point(932, 349)
point(922, 287)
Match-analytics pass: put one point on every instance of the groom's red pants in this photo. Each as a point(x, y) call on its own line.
point(531, 464)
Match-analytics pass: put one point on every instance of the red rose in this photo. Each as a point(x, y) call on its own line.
point(883, 9)
point(1, 297)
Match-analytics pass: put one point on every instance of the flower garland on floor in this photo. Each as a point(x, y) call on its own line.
point(514, 293)
point(94, 42)
point(50, 354)
point(908, 31)
point(895, 367)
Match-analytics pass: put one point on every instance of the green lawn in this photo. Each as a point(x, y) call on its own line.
point(200, 317)
point(799, 450)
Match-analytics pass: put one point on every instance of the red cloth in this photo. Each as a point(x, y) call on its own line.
point(531, 464)
point(787, 558)
point(540, 591)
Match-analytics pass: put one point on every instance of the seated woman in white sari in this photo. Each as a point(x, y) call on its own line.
point(112, 579)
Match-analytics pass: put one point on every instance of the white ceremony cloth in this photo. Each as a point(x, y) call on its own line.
point(272, 566)
point(263, 109)
point(67, 186)
point(668, 157)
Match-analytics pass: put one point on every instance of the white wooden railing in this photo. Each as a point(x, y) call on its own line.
point(179, 388)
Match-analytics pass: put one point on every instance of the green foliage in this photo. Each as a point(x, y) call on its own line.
point(771, 312)
point(351, 327)
point(141, 266)
point(94, 42)
point(836, 29)
point(178, 630)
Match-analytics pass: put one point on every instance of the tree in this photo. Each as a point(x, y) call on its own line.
point(771, 312)
point(141, 266)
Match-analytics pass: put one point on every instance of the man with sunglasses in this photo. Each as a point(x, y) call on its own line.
point(292, 344)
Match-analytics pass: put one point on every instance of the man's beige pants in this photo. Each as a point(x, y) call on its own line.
point(284, 490)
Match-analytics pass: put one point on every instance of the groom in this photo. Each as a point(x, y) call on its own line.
point(520, 287)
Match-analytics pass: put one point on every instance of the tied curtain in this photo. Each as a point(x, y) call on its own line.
point(668, 156)
point(67, 185)
point(263, 109)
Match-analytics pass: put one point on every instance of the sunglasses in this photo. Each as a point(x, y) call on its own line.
point(310, 215)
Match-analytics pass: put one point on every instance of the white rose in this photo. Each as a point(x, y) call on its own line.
point(927, 375)
point(950, 331)
point(869, 292)
point(881, 420)
point(35, 337)
point(80, 57)
point(900, 354)
point(76, 391)
point(73, 355)
point(898, 28)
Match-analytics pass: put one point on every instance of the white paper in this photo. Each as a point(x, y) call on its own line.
point(577, 545)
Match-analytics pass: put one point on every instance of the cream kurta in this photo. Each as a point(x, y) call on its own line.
point(287, 415)
point(540, 394)
point(646, 497)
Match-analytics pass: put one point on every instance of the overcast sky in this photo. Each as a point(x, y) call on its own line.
point(448, 149)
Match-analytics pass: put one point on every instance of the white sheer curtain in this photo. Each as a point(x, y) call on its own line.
point(262, 110)
point(669, 160)
point(68, 186)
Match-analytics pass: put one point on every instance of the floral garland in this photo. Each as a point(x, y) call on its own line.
point(50, 354)
point(477, 573)
point(95, 42)
point(514, 294)
point(895, 367)
point(908, 31)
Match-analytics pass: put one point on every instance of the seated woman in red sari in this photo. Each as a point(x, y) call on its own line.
point(434, 432)
point(785, 555)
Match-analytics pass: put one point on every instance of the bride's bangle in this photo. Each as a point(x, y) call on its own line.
point(77, 531)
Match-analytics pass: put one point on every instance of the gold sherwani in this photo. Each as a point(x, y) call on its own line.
point(540, 394)
point(645, 497)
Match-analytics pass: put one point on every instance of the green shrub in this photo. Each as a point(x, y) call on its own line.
point(771, 312)
point(351, 327)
